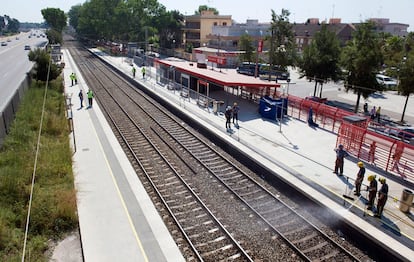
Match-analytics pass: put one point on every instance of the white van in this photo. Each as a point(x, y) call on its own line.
point(387, 81)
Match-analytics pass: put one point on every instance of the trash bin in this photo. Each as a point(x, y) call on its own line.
point(406, 200)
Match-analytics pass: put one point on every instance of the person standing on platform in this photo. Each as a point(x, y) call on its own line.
point(228, 114)
point(378, 114)
point(75, 78)
point(372, 191)
point(359, 178)
point(311, 123)
point(339, 162)
point(72, 78)
point(372, 113)
point(371, 153)
point(366, 108)
point(81, 98)
point(236, 110)
point(134, 70)
point(90, 97)
point(143, 72)
point(397, 156)
point(382, 197)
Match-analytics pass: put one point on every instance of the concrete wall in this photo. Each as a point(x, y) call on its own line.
point(8, 113)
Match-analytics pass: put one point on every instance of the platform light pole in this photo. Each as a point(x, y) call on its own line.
point(218, 51)
point(281, 112)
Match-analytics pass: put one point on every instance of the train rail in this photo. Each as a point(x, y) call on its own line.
point(220, 209)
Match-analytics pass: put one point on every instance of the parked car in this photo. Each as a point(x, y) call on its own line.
point(386, 81)
point(404, 133)
point(317, 99)
point(3, 43)
point(246, 68)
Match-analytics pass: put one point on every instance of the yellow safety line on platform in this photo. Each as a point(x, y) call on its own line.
point(122, 199)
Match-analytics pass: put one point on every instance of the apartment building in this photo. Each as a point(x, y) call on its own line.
point(197, 27)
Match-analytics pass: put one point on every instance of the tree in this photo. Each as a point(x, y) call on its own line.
point(9, 25)
point(41, 69)
point(133, 20)
point(169, 25)
point(361, 58)
point(392, 51)
point(73, 15)
point(282, 41)
point(321, 58)
point(55, 18)
point(206, 8)
point(406, 76)
point(54, 36)
point(2, 23)
point(246, 45)
point(13, 25)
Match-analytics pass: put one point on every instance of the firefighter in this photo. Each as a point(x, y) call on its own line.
point(372, 191)
point(133, 71)
point(382, 196)
point(359, 178)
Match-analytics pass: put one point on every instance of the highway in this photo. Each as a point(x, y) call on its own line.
point(14, 63)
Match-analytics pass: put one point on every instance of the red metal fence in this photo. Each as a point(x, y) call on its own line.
point(326, 116)
point(387, 153)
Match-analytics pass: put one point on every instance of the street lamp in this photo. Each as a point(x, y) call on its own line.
point(259, 49)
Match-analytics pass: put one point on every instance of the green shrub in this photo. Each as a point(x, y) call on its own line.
point(53, 210)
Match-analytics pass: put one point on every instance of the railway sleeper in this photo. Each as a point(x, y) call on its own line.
point(296, 229)
point(305, 239)
point(268, 210)
point(318, 247)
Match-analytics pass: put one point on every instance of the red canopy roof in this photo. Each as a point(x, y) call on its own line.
point(227, 77)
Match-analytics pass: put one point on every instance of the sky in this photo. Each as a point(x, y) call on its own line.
point(399, 11)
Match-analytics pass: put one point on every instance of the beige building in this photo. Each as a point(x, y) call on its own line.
point(197, 27)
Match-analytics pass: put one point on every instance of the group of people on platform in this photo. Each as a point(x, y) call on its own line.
point(89, 94)
point(375, 113)
point(134, 70)
point(232, 112)
point(372, 188)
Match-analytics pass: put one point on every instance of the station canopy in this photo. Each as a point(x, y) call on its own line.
point(218, 76)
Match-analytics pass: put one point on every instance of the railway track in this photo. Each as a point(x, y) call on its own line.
point(217, 209)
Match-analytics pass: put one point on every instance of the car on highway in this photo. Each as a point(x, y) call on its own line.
point(27, 47)
point(3, 43)
point(404, 133)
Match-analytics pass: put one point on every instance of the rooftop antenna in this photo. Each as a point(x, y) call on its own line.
point(333, 11)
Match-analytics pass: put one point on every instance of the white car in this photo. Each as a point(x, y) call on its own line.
point(387, 81)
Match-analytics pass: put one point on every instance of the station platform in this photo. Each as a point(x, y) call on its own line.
point(117, 219)
point(302, 155)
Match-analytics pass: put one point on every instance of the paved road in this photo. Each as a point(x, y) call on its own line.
point(14, 64)
point(391, 104)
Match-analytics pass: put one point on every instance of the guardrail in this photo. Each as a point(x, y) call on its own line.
point(390, 154)
point(8, 112)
